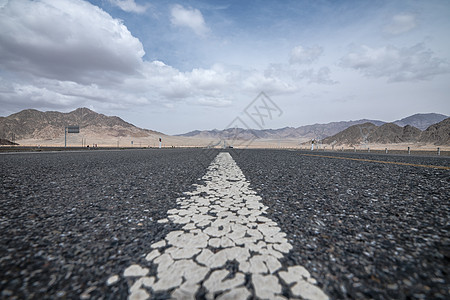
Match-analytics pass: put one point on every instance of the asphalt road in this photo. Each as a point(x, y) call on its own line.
point(70, 221)
point(363, 229)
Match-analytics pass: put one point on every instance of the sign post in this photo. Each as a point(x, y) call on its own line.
point(160, 141)
point(70, 129)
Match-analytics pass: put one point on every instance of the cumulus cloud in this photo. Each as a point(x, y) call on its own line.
point(396, 64)
point(189, 17)
point(129, 6)
point(30, 95)
point(66, 40)
point(52, 94)
point(62, 54)
point(401, 23)
point(257, 81)
point(305, 55)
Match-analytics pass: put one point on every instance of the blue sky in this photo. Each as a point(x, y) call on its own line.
point(176, 66)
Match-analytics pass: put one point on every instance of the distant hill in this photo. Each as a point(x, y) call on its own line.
point(421, 121)
point(35, 124)
point(316, 131)
point(321, 131)
point(390, 133)
point(356, 134)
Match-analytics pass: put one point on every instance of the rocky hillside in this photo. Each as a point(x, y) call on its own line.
point(315, 131)
point(319, 131)
point(34, 124)
point(390, 133)
point(355, 134)
point(438, 134)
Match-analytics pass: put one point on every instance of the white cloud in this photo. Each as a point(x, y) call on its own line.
point(401, 23)
point(129, 6)
point(396, 64)
point(34, 96)
point(257, 82)
point(305, 55)
point(189, 17)
point(321, 76)
point(299, 76)
point(62, 54)
point(66, 40)
point(212, 102)
point(52, 94)
point(216, 78)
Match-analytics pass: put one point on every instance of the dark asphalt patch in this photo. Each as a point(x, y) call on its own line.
point(364, 230)
point(69, 220)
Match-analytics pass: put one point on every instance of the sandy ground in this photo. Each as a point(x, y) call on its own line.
point(109, 141)
point(78, 140)
point(397, 147)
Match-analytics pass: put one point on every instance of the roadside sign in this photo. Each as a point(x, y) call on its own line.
point(70, 129)
point(73, 129)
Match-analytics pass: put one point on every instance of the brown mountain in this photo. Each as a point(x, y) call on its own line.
point(438, 134)
point(388, 133)
point(321, 131)
point(315, 131)
point(34, 124)
point(391, 133)
point(356, 134)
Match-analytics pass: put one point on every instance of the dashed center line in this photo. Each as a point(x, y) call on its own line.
point(380, 161)
point(224, 225)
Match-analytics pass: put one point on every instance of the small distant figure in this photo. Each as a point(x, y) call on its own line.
point(312, 144)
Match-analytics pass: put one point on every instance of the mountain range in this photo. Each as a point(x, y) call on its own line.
point(34, 124)
point(316, 131)
point(389, 133)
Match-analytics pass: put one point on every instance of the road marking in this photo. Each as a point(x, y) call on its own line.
point(227, 249)
point(379, 161)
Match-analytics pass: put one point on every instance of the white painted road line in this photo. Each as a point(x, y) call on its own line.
point(224, 224)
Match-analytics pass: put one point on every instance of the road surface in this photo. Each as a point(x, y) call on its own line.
point(244, 223)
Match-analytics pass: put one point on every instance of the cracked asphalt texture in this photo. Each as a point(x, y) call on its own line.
point(69, 220)
point(364, 230)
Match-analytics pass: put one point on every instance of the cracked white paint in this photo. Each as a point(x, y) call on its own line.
point(113, 279)
point(223, 223)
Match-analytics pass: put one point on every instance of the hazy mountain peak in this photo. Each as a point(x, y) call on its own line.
point(421, 120)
